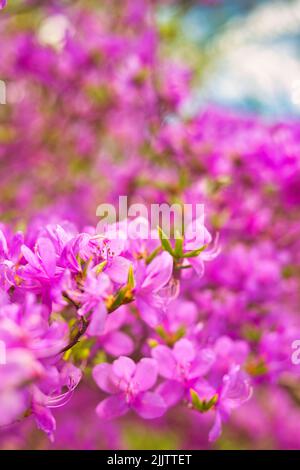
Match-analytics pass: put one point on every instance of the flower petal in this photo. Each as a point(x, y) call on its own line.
point(184, 351)
point(171, 391)
point(216, 430)
point(158, 272)
point(97, 323)
point(151, 315)
point(197, 235)
point(146, 373)
point(165, 361)
point(203, 363)
point(112, 407)
point(44, 419)
point(102, 376)
point(118, 343)
point(124, 368)
point(236, 388)
point(149, 405)
point(47, 255)
point(118, 270)
point(30, 257)
point(198, 265)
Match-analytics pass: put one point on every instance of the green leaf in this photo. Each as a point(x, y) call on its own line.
point(196, 402)
point(85, 266)
point(194, 253)
point(100, 267)
point(202, 405)
point(180, 333)
point(208, 405)
point(165, 243)
point(161, 332)
point(125, 294)
point(178, 252)
point(118, 300)
point(153, 255)
point(131, 280)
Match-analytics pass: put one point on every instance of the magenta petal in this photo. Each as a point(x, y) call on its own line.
point(97, 323)
point(68, 259)
point(101, 375)
point(159, 272)
point(236, 388)
point(171, 392)
point(149, 405)
point(17, 242)
point(146, 374)
point(204, 390)
point(198, 265)
point(216, 430)
point(70, 376)
point(118, 343)
point(124, 368)
point(116, 319)
point(13, 404)
point(165, 360)
point(197, 235)
point(44, 419)
point(149, 314)
point(184, 351)
point(3, 244)
point(116, 241)
point(30, 257)
point(48, 256)
point(112, 407)
point(118, 270)
point(203, 363)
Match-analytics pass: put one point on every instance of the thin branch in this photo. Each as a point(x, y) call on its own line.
point(79, 334)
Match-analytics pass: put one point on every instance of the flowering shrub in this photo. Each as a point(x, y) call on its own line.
point(164, 329)
point(62, 286)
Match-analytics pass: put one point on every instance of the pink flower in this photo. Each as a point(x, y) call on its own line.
point(110, 249)
point(27, 326)
point(10, 253)
point(3, 4)
point(96, 289)
point(49, 395)
point(129, 384)
point(234, 392)
point(21, 368)
point(42, 263)
point(116, 342)
point(150, 283)
point(41, 272)
point(196, 235)
point(183, 367)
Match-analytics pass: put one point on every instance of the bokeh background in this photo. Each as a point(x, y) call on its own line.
point(144, 98)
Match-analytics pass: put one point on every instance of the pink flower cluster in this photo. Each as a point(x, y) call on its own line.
point(149, 329)
point(62, 285)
